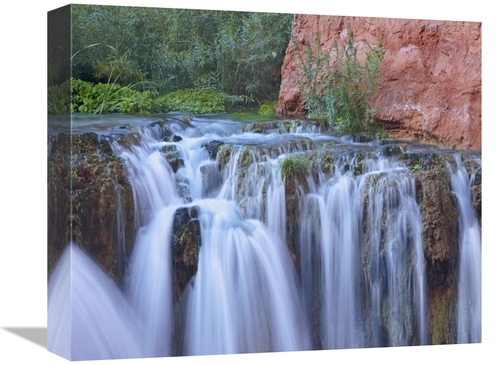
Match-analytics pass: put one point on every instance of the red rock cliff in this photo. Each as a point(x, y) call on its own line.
point(431, 85)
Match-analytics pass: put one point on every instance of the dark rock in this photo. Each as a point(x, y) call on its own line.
point(212, 148)
point(391, 150)
point(160, 123)
point(175, 162)
point(163, 125)
point(363, 137)
point(87, 210)
point(173, 157)
point(477, 195)
point(104, 145)
point(186, 242)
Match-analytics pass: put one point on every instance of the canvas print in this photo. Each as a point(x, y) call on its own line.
point(224, 182)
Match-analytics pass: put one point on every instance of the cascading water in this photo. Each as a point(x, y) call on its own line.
point(352, 275)
point(89, 318)
point(336, 244)
point(469, 290)
point(239, 258)
point(396, 259)
point(243, 298)
point(333, 225)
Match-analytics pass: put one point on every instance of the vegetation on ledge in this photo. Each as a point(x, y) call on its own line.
point(293, 165)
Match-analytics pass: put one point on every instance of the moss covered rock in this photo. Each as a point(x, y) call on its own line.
point(90, 202)
point(186, 242)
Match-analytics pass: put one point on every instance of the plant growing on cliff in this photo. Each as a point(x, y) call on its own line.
point(293, 165)
point(337, 87)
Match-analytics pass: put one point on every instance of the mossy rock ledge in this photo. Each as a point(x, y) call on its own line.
point(89, 198)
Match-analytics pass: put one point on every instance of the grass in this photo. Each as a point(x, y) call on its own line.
point(293, 165)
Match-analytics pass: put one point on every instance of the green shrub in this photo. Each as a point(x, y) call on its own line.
point(89, 98)
point(293, 165)
point(197, 101)
point(339, 89)
point(58, 99)
point(267, 108)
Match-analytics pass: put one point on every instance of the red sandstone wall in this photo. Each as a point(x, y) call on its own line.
point(431, 86)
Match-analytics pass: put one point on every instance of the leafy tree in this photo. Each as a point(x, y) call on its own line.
point(165, 50)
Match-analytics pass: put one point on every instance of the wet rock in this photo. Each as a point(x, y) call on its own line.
point(478, 177)
point(160, 123)
point(164, 128)
point(88, 210)
point(440, 233)
point(212, 148)
point(477, 195)
point(173, 157)
point(427, 162)
point(104, 145)
point(363, 137)
point(186, 242)
point(261, 127)
point(223, 157)
point(296, 188)
point(391, 150)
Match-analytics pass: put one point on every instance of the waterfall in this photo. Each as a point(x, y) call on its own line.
point(351, 273)
point(336, 245)
point(396, 259)
point(332, 244)
point(235, 249)
point(242, 299)
point(469, 290)
point(89, 318)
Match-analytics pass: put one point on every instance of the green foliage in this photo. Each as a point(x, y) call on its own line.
point(165, 50)
point(101, 98)
point(58, 98)
point(338, 87)
point(267, 108)
point(197, 101)
point(416, 168)
point(293, 165)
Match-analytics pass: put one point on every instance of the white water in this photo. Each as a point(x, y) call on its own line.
point(469, 290)
point(396, 252)
point(338, 254)
point(89, 318)
point(243, 298)
point(247, 295)
point(333, 224)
